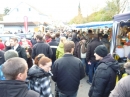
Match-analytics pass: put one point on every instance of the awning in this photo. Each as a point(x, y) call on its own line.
point(96, 25)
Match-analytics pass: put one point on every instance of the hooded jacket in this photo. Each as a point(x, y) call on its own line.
point(60, 50)
point(15, 88)
point(39, 81)
point(104, 78)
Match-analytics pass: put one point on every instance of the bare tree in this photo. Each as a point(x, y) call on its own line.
point(6, 10)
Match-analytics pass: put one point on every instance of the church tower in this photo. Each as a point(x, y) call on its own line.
point(79, 9)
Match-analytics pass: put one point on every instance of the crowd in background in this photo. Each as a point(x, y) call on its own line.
point(65, 56)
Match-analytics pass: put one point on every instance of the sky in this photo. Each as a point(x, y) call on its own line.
point(59, 9)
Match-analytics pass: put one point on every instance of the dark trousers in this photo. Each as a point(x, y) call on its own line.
point(92, 68)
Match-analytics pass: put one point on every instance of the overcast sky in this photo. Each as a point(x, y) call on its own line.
point(59, 9)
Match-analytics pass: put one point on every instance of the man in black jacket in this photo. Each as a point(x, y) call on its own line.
point(15, 85)
point(67, 72)
point(105, 76)
point(53, 44)
point(92, 63)
point(15, 46)
point(41, 48)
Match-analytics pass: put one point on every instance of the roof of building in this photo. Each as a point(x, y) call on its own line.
point(41, 13)
point(19, 23)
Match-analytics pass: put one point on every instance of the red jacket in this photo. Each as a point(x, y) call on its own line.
point(2, 46)
point(29, 43)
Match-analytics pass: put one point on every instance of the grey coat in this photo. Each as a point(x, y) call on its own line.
point(122, 89)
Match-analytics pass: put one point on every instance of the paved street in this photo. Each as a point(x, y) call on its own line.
point(83, 88)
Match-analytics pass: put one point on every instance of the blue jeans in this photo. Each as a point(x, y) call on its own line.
point(92, 69)
point(86, 65)
point(65, 95)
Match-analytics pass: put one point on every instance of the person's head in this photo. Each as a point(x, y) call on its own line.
point(63, 39)
point(13, 41)
point(127, 67)
point(0, 40)
point(105, 36)
point(53, 36)
point(45, 63)
point(57, 34)
point(39, 38)
point(128, 58)
point(47, 35)
point(15, 69)
point(90, 33)
point(37, 58)
point(69, 47)
point(82, 40)
point(100, 35)
point(7, 43)
point(10, 54)
point(100, 52)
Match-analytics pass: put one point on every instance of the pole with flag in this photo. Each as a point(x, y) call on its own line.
point(26, 23)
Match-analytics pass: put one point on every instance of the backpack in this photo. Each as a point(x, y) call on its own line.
point(1, 74)
point(120, 73)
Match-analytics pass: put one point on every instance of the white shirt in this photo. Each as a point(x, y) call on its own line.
point(16, 46)
point(83, 55)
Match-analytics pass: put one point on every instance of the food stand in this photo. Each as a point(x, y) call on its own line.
point(120, 41)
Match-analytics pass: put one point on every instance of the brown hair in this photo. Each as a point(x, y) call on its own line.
point(43, 60)
point(57, 34)
point(68, 46)
point(14, 38)
point(13, 66)
point(39, 37)
point(48, 35)
point(37, 58)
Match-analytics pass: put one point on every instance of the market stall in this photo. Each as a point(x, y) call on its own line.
point(120, 41)
point(95, 25)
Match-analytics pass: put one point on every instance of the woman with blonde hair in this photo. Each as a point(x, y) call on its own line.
point(60, 48)
point(38, 75)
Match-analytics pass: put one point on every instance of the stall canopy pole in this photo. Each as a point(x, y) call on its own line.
point(115, 30)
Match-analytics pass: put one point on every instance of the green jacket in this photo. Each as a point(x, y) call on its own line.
point(60, 50)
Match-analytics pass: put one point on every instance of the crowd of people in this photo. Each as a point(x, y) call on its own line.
point(27, 66)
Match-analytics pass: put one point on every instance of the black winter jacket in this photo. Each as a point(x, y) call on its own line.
point(41, 48)
point(15, 88)
point(21, 52)
point(67, 73)
point(53, 44)
point(90, 49)
point(104, 78)
point(33, 41)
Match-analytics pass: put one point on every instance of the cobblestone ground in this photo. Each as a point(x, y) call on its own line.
point(83, 88)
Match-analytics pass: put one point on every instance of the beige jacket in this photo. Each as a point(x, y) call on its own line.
point(122, 89)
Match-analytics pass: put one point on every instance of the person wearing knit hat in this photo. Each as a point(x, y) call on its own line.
point(104, 79)
point(122, 88)
point(7, 55)
point(101, 51)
